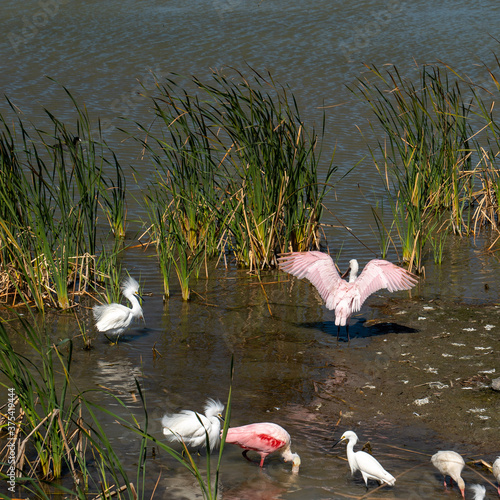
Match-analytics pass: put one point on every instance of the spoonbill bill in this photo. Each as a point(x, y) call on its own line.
point(264, 438)
point(345, 297)
point(368, 465)
point(193, 427)
point(114, 318)
point(496, 472)
point(450, 463)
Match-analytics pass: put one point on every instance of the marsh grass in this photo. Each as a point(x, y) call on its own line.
point(237, 173)
point(270, 162)
point(46, 409)
point(52, 191)
point(426, 156)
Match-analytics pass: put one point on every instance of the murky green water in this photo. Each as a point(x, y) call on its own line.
point(289, 367)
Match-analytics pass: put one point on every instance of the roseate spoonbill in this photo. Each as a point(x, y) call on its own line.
point(264, 438)
point(368, 465)
point(450, 463)
point(192, 427)
point(114, 318)
point(496, 472)
point(344, 297)
point(479, 491)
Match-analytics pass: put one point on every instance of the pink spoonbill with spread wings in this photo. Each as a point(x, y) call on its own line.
point(345, 297)
point(264, 438)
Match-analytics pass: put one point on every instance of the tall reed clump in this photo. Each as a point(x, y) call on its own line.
point(487, 194)
point(270, 164)
point(51, 189)
point(425, 157)
point(237, 173)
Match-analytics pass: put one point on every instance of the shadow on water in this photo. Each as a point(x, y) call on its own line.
point(357, 329)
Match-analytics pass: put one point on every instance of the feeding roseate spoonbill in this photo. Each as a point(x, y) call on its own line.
point(368, 465)
point(192, 427)
point(345, 297)
point(479, 491)
point(264, 438)
point(496, 472)
point(114, 318)
point(450, 463)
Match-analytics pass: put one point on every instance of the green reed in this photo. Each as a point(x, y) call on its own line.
point(44, 399)
point(239, 169)
point(186, 167)
point(270, 164)
point(63, 445)
point(52, 184)
point(426, 154)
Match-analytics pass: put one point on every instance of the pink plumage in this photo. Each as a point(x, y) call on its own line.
point(263, 438)
point(346, 298)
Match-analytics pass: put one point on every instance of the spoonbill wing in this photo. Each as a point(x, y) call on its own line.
point(317, 267)
point(379, 274)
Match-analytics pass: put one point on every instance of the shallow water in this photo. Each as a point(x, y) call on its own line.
point(289, 367)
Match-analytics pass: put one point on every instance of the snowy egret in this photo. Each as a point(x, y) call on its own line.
point(496, 472)
point(344, 297)
point(114, 318)
point(264, 438)
point(450, 463)
point(192, 427)
point(479, 491)
point(368, 465)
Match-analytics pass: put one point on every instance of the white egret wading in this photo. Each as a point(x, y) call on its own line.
point(496, 472)
point(114, 319)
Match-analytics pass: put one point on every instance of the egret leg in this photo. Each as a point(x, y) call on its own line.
point(338, 332)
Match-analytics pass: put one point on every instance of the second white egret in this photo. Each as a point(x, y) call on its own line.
point(369, 466)
point(193, 427)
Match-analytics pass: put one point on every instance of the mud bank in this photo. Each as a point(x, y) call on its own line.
point(429, 368)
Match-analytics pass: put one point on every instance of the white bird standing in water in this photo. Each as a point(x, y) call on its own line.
point(345, 297)
point(450, 463)
point(114, 319)
point(192, 427)
point(496, 472)
point(368, 465)
point(479, 491)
